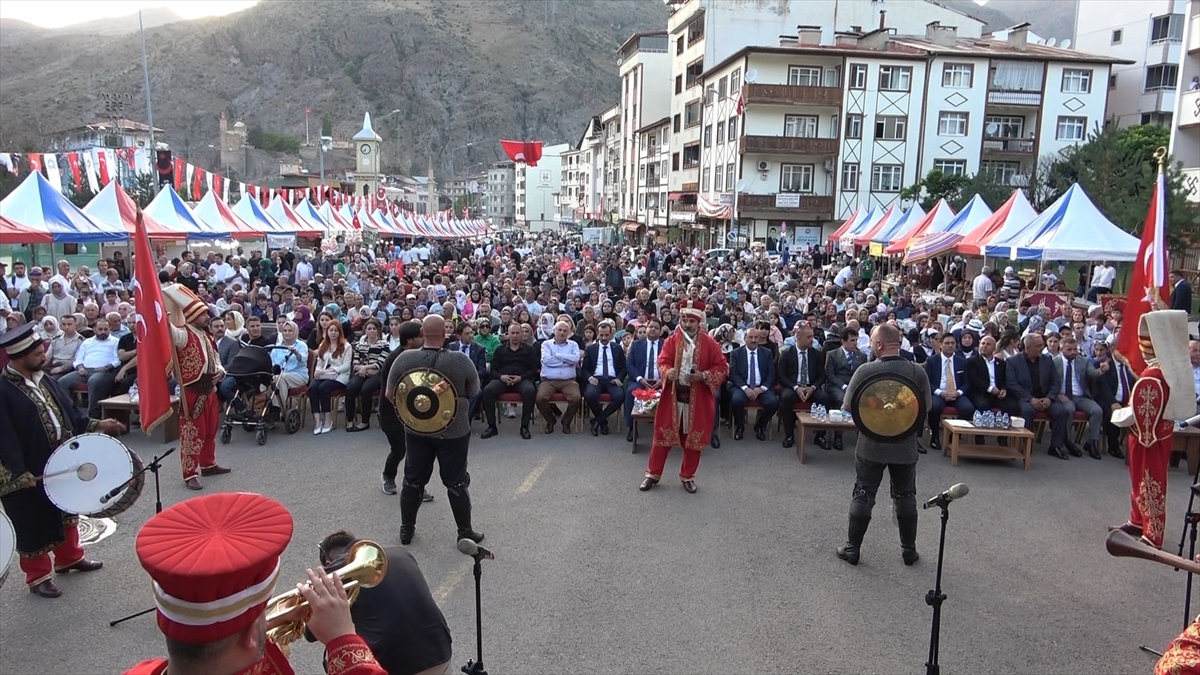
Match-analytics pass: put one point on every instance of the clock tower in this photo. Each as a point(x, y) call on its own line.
point(366, 151)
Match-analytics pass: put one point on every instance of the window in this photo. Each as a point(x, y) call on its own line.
point(895, 78)
point(675, 161)
point(1161, 76)
point(951, 167)
point(1112, 81)
point(1071, 128)
point(692, 74)
point(1167, 28)
point(730, 177)
point(804, 76)
point(733, 129)
point(719, 185)
point(858, 76)
point(854, 125)
point(735, 81)
point(1001, 172)
point(800, 126)
point(952, 123)
point(720, 133)
point(708, 135)
point(886, 177)
point(679, 46)
point(890, 127)
point(850, 177)
point(1076, 81)
point(678, 84)
point(705, 179)
point(691, 114)
point(796, 178)
point(675, 123)
point(957, 75)
point(691, 156)
point(1116, 36)
point(1004, 126)
point(695, 31)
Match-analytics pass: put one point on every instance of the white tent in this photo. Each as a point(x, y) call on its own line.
point(1071, 229)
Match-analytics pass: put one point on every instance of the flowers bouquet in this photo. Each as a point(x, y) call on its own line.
point(645, 401)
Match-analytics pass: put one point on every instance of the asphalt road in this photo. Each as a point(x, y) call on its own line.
point(593, 576)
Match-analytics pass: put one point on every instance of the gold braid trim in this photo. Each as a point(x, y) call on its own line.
point(9, 484)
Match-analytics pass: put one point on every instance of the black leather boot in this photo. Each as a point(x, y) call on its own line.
point(410, 502)
point(460, 505)
point(858, 528)
point(908, 539)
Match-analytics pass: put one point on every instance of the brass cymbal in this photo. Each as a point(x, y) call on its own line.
point(426, 402)
point(887, 407)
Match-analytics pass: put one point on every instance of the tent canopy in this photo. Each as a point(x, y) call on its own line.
point(114, 206)
point(249, 211)
point(35, 211)
point(214, 213)
point(854, 219)
point(900, 224)
point(308, 214)
point(1071, 229)
point(891, 215)
point(972, 215)
point(168, 209)
point(290, 220)
point(935, 221)
point(1013, 215)
point(335, 220)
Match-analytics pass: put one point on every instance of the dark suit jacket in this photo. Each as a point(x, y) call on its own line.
point(934, 366)
point(1181, 296)
point(227, 348)
point(977, 374)
point(1020, 383)
point(838, 369)
point(478, 357)
point(789, 368)
point(636, 364)
point(739, 368)
point(591, 359)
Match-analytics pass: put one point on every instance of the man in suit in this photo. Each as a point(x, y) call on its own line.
point(642, 368)
point(948, 380)
point(1033, 381)
point(1112, 393)
point(478, 355)
point(801, 380)
point(227, 348)
point(1181, 292)
point(987, 380)
point(1076, 373)
point(604, 367)
point(752, 378)
point(840, 363)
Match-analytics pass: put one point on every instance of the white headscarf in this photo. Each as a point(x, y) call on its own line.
point(545, 328)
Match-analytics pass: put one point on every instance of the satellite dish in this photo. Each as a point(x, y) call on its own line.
point(741, 184)
point(1051, 42)
point(752, 76)
point(992, 128)
point(1066, 44)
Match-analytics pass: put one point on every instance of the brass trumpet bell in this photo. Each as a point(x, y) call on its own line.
point(287, 614)
point(426, 402)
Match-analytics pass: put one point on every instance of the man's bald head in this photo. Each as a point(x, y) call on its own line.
point(433, 329)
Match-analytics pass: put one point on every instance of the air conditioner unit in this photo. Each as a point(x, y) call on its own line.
point(763, 166)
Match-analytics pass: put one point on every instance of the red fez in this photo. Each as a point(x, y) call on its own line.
point(214, 561)
point(693, 308)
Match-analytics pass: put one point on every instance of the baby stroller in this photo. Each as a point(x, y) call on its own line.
point(251, 406)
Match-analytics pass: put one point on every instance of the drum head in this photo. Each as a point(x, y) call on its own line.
point(84, 469)
point(887, 407)
point(8, 546)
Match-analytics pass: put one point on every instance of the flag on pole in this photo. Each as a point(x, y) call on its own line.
point(154, 351)
point(1149, 278)
point(741, 105)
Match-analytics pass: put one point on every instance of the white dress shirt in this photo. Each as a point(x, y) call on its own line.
point(604, 361)
point(95, 353)
point(943, 382)
point(991, 368)
point(1103, 276)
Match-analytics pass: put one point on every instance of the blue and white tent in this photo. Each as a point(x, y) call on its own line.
point(1072, 228)
point(40, 213)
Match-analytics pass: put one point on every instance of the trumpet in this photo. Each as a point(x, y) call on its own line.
point(287, 614)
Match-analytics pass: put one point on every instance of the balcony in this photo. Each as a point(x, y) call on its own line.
point(787, 94)
point(1189, 108)
point(788, 145)
point(1014, 98)
point(689, 187)
point(653, 181)
point(775, 203)
point(1010, 146)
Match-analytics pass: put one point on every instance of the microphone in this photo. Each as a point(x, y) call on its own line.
point(474, 550)
point(113, 493)
point(956, 491)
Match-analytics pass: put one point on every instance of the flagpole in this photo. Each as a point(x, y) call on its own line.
point(1160, 156)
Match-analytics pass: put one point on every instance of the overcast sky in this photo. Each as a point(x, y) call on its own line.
point(57, 13)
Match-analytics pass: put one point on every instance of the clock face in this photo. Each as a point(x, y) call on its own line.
point(365, 149)
point(366, 162)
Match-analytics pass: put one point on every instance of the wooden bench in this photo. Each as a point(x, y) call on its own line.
point(960, 433)
point(805, 421)
point(120, 408)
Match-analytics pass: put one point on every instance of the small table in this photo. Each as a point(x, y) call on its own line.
point(960, 434)
point(639, 417)
point(804, 419)
point(121, 408)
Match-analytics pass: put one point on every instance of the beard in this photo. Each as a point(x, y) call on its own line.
point(691, 331)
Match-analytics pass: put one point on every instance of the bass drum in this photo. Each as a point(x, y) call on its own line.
point(8, 546)
point(82, 472)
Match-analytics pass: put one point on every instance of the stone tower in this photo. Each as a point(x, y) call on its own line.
point(367, 164)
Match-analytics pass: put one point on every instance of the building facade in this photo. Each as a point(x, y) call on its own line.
point(1149, 34)
point(610, 164)
point(1185, 127)
point(536, 189)
point(644, 66)
point(650, 206)
point(500, 197)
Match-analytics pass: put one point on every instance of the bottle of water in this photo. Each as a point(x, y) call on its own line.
point(989, 419)
point(1005, 421)
point(978, 419)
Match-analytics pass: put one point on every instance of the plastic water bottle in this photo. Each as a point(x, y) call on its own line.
point(978, 419)
point(1005, 421)
point(989, 419)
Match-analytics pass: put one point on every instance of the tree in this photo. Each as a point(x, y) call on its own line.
point(957, 190)
point(8, 182)
point(79, 196)
point(144, 189)
point(326, 125)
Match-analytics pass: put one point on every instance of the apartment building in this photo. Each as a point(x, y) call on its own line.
point(1185, 127)
point(703, 33)
point(582, 177)
point(610, 164)
point(1148, 34)
point(825, 129)
point(500, 195)
point(536, 190)
point(651, 214)
point(644, 65)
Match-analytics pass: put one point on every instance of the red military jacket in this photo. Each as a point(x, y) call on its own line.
point(347, 655)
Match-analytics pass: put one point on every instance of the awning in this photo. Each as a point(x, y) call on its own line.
point(631, 226)
point(674, 196)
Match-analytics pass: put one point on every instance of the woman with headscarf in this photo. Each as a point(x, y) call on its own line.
point(266, 272)
point(545, 327)
point(304, 321)
point(235, 324)
point(57, 302)
point(48, 329)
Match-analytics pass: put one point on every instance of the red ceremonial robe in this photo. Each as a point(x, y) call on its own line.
point(1150, 442)
point(347, 655)
point(1182, 656)
point(698, 417)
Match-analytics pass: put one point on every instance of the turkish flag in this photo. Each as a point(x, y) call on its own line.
point(179, 171)
point(197, 178)
point(73, 162)
point(102, 156)
point(1149, 277)
point(154, 352)
point(528, 152)
point(566, 265)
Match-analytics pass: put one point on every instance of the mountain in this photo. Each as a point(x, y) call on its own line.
point(1050, 18)
point(458, 71)
point(14, 32)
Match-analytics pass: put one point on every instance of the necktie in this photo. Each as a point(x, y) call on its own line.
point(753, 370)
point(604, 357)
point(650, 357)
point(803, 369)
point(1124, 384)
point(950, 384)
point(1070, 380)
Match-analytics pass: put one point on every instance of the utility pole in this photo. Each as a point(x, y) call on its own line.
point(149, 109)
point(433, 200)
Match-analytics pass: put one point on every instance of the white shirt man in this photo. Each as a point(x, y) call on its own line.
point(844, 276)
point(219, 271)
point(982, 285)
point(1103, 276)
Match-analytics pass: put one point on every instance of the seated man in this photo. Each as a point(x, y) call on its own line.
point(96, 364)
point(841, 360)
point(1033, 381)
point(987, 380)
point(642, 367)
point(947, 374)
point(477, 354)
point(1112, 393)
point(560, 360)
point(514, 369)
point(604, 368)
point(1076, 373)
point(801, 380)
point(751, 378)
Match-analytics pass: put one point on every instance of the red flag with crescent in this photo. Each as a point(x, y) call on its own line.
point(154, 351)
point(528, 152)
point(1149, 278)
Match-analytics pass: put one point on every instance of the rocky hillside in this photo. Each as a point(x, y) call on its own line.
point(1050, 18)
point(458, 71)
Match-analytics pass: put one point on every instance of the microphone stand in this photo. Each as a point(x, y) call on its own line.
point(1190, 521)
point(936, 597)
point(153, 467)
point(475, 666)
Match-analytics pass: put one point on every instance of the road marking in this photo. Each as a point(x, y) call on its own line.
point(451, 582)
point(533, 477)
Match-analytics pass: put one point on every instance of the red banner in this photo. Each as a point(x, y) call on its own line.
point(73, 162)
point(1149, 278)
point(103, 161)
point(154, 351)
point(528, 152)
point(180, 167)
point(197, 181)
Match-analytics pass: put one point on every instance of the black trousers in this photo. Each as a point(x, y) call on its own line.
point(985, 401)
point(451, 456)
point(359, 392)
point(787, 407)
point(394, 430)
point(867, 477)
point(738, 401)
point(495, 388)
